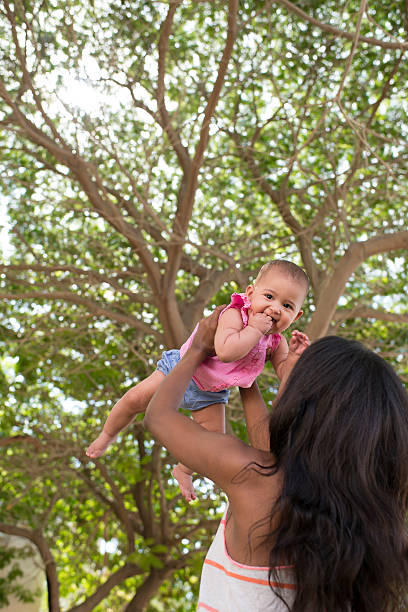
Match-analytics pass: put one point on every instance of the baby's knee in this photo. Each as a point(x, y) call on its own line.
point(140, 395)
point(136, 399)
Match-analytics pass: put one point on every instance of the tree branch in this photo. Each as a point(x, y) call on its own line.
point(146, 591)
point(92, 277)
point(336, 282)
point(180, 150)
point(365, 312)
point(279, 197)
point(186, 203)
point(341, 33)
point(121, 510)
point(127, 571)
point(27, 77)
point(87, 176)
point(363, 7)
point(90, 305)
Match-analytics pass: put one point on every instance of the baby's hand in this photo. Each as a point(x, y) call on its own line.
point(260, 321)
point(298, 342)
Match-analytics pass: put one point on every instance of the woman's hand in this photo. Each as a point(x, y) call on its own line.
point(204, 337)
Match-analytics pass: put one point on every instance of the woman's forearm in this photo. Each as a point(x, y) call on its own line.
point(284, 369)
point(256, 417)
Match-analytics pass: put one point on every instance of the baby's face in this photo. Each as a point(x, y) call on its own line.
point(279, 296)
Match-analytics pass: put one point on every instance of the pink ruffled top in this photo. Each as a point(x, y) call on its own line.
point(215, 375)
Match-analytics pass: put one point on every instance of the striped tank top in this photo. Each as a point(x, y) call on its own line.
point(228, 586)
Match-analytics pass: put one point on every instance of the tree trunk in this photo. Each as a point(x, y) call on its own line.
point(148, 589)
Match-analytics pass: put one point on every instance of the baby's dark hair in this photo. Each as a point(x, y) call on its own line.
point(286, 266)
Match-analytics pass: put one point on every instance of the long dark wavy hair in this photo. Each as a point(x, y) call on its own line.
point(340, 436)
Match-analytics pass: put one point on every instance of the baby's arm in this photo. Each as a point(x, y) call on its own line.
point(286, 356)
point(232, 340)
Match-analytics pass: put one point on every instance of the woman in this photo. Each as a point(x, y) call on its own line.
point(316, 519)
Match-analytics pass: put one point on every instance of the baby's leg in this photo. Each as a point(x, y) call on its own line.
point(211, 418)
point(124, 411)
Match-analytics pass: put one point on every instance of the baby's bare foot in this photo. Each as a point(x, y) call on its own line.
point(99, 446)
point(185, 480)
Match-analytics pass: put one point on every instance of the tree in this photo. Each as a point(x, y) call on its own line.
point(208, 138)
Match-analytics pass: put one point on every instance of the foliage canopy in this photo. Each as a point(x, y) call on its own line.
point(153, 156)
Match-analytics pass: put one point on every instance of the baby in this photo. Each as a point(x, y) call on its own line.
point(248, 334)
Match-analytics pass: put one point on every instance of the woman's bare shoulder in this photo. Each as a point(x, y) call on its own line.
point(252, 509)
point(257, 475)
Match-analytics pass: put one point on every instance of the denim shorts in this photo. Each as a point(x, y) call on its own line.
point(194, 398)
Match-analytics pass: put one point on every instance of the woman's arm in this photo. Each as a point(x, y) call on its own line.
point(218, 456)
point(256, 417)
point(255, 411)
